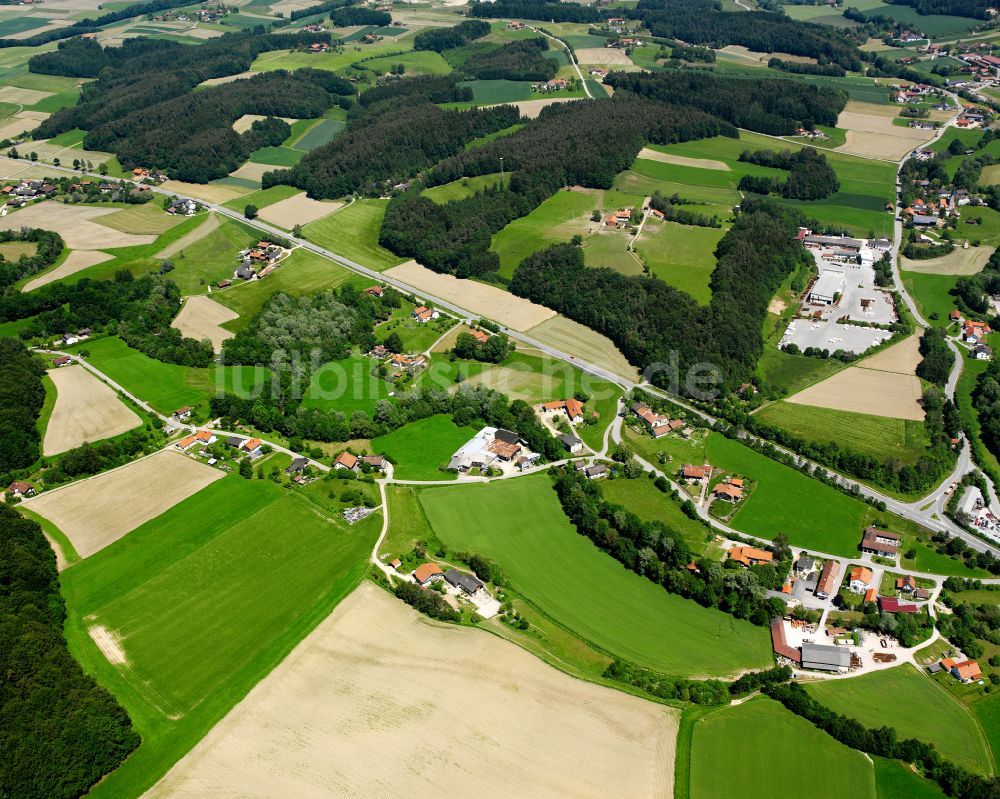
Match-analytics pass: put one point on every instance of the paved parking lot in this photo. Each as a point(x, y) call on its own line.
point(829, 335)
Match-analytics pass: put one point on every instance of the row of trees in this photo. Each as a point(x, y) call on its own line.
point(60, 732)
point(139, 310)
point(319, 8)
point(810, 176)
point(49, 247)
point(659, 553)
point(441, 39)
point(21, 399)
point(976, 9)
point(798, 68)
point(884, 742)
point(663, 330)
point(673, 210)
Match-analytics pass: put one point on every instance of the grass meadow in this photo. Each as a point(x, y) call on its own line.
point(682, 256)
point(931, 293)
point(463, 187)
point(877, 436)
point(520, 524)
point(206, 599)
point(728, 755)
point(353, 233)
point(915, 707)
point(420, 448)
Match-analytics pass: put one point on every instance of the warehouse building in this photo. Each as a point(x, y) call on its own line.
point(826, 658)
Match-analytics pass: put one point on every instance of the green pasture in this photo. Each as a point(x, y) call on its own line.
point(211, 258)
point(682, 256)
point(647, 502)
point(353, 233)
point(894, 780)
point(727, 758)
point(419, 448)
point(418, 62)
point(793, 372)
point(878, 436)
point(276, 156)
point(300, 274)
point(497, 134)
point(492, 92)
point(207, 599)
point(166, 386)
point(931, 293)
point(463, 187)
point(915, 706)
point(613, 609)
point(319, 134)
point(934, 25)
point(346, 385)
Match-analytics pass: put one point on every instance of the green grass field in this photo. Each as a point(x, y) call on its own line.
point(207, 598)
point(877, 436)
point(931, 293)
point(896, 781)
point(583, 589)
point(728, 755)
point(463, 187)
point(346, 385)
point(793, 372)
point(420, 448)
point(915, 707)
point(682, 256)
point(276, 156)
point(262, 198)
point(650, 504)
point(166, 386)
point(211, 258)
point(353, 233)
point(987, 712)
point(422, 62)
point(301, 273)
point(319, 134)
point(490, 92)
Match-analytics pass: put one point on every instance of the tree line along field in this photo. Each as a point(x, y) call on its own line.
point(916, 707)
point(203, 601)
point(525, 531)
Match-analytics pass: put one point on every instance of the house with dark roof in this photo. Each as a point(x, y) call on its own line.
point(880, 542)
point(468, 583)
point(823, 657)
point(297, 465)
point(596, 472)
point(571, 443)
point(21, 489)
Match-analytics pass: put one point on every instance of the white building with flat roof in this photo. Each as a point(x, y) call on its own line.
point(828, 285)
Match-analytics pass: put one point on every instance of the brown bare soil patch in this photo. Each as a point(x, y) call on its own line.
point(202, 317)
point(242, 125)
point(603, 55)
point(901, 358)
point(532, 108)
point(478, 298)
point(86, 410)
point(297, 210)
point(209, 192)
point(96, 512)
point(681, 160)
point(76, 225)
point(878, 393)
point(380, 702)
point(19, 96)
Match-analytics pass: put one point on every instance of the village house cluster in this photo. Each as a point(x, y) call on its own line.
point(493, 448)
point(257, 262)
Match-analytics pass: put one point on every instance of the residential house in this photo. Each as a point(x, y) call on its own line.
point(728, 492)
point(377, 462)
point(859, 579)
point(395, 563)
point(805, 565)
point(691, 472)
point(572, 407)
point(658, 425)
point(253, 447)
point(427, 573)
point(880, 542)
point(21, 489)
point(234, 442)
point(966, 670)
point(182, 413)
point(955, 316)
point(201, 437)
point(888, 604)
point(346, 460)
point(596, 472)
point(375, 291)
point(982, 353)
point(468, 583)
point(921, 593)
point(407, 363)
point(424, 314)
point(973, 332)
point(480, 336)
point(297, 466)
point(572, 444)
point(381, 352)
point(906, 584)
point(62, 360)
point(871, 595)
point(750, 556)
point(827, 579)
point(186, 207)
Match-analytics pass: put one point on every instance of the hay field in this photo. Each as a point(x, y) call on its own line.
point(603, 55)
point(22, 122)
point(209, 192)
point(76, 224)
point(148, 218)
point(242, 125)
point(297, 210)
point(76, 261)
point(902, 357)
point(586, 344)
point(874, 391)
point(378, 701)
point(227, 78)
point(86, 410)
point(96, 512)
point(210, 224)
point(870, 132)
point(478, 298)
point(681, 160)
point(532, 108)
point(10, 168)
point(19, 96)
point(252, 171)
point(202, 317)
point(958, 262)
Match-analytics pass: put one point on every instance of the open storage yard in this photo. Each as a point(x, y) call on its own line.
point(201, 317)
point(409, 706)
point(619, 611)
point(85, 410)
point(96, 512)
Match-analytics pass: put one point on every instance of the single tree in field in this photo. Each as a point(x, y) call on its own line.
point(56, 161)
point(297, 231)
point(250, 212)
point(246, 469)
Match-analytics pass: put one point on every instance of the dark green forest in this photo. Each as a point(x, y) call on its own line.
point(441, 39)
point(810, 176)
point(521, 60)
point(21, 398)
point(60, 732)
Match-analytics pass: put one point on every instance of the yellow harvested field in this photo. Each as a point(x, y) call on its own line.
point(603, 55)
point(297, 210)
point(211, 223)
point(21, 123)
point(477, 298)
point(889, 111)
point(871, 134)
point(86, 410)
point(227, 78)
point(149, 218)
point(203, 33)
point(96, 512)
point(901, 358)
point(201, 317)
point(762, 58)
point(532, 108)
point(958, 262)
point(379, 701)
point(682, 160)
point(10, 168)
point(209, 192)
point(75, 223)
point(586, 344)
point(18, 96)
point(13, 250)
point(252, 171)
point(879, 393)
point(76, 261)
point(242, 125)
